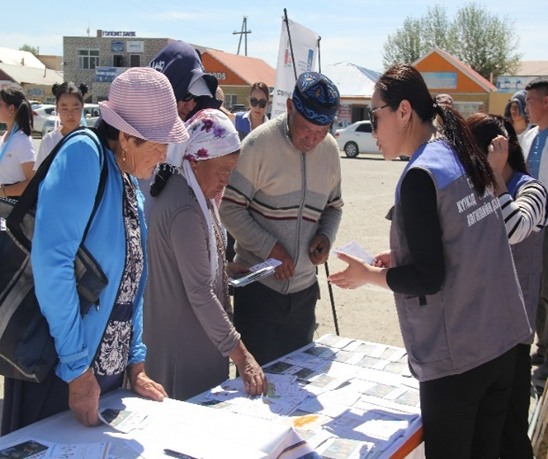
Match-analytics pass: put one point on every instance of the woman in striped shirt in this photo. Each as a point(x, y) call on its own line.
point(523, 203)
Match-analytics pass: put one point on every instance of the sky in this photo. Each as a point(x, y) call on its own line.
point(350, 30)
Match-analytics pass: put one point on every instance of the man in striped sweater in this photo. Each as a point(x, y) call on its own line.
point(284, 201)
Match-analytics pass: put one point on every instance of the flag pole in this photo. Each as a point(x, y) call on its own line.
point(319, 55)
point(286, 20)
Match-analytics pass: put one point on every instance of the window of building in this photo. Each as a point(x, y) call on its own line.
point(117, 60)
point(88, 58)
point(135, 60)
point(230, 100)
point(467, 108)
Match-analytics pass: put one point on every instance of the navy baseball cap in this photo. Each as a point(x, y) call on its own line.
point(181, 64)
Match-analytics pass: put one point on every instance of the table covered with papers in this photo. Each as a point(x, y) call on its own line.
point(336, 398)
point(347, 398)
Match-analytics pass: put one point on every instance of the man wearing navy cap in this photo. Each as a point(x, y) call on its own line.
point(284, 201)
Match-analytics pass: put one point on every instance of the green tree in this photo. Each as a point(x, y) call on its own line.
point(32, 49)
point(485, 42)
point(405, 44)
point(478, 38)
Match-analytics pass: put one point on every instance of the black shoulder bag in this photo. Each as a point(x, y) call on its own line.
point(27, 351)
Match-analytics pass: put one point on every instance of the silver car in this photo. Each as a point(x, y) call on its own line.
point(356, 138)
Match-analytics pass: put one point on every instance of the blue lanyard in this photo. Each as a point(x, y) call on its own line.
point(14, 129)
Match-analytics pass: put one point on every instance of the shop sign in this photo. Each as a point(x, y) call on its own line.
point(440, 80)
point(117, 47)
point(135, 46)
point(107, 74)
point(116, 33)
point(512, 84)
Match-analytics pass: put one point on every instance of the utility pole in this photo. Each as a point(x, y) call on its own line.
point(244, 33)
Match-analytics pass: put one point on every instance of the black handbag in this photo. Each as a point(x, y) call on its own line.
point(27, 351)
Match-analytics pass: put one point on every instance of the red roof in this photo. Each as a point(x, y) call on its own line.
point(249, 69)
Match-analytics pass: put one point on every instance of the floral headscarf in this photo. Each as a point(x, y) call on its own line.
point(212, 135)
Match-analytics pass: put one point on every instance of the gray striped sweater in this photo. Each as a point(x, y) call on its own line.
point(279, 194)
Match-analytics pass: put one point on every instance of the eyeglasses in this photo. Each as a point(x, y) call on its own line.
point(260, 102)
point(188, 97)
point(372, 117)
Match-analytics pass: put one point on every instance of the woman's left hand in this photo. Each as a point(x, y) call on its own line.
point(142, 385)
point(355, 275)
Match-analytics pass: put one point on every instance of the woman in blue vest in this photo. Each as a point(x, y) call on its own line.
point(460, 308)
point(523, 204)
point(245, 122)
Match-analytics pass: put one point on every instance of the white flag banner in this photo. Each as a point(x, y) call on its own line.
point(305, 52)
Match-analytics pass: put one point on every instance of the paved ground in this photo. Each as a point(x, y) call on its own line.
point(367, 313)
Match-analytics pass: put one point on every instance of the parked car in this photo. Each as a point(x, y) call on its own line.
point(40, 115)
point(91, 114)
point(50, 124)
point(238, 108)
point(356, 138)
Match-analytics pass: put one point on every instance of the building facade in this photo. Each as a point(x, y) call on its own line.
point(236, 74)
point(444, 73)
point(96, 61)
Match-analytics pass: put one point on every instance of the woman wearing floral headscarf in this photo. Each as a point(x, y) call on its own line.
point(188, 330)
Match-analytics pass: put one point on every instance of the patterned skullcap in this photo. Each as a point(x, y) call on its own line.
point(316, 98)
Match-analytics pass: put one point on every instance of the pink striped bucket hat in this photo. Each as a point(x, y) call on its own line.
point(141, 103)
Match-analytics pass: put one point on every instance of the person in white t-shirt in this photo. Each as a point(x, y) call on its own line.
point(69, 103)
point(17, 152)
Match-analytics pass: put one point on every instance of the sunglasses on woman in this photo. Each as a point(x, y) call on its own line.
point(260, 102)
point(372, 117)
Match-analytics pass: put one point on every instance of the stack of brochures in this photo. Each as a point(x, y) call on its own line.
point(256, 272)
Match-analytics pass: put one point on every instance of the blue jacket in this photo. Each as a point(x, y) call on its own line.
point(65, 201)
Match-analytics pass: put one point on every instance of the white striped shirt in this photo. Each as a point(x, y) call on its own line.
point(526, 213)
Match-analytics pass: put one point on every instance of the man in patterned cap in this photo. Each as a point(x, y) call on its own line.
point(284, 201)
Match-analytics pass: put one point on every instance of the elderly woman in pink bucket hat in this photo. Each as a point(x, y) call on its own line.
point(98, 348)
point(187, 307)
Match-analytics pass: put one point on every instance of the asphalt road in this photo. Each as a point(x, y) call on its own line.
point(369, 312)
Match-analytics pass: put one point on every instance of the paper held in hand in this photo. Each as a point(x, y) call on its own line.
point(355, 250)
point(256, 272)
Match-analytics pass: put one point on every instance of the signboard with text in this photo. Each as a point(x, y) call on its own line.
point(135, 46)
point(440, 80)
point(107, 74)
point(110, 33)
